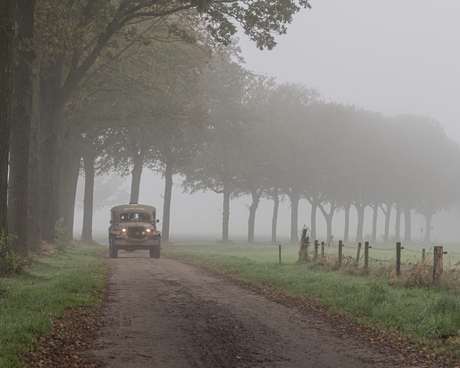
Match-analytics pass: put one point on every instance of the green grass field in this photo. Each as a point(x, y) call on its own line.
point(30, 301)
point(425, 315)
point(379, 255)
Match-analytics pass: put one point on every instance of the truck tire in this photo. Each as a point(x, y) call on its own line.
point(113, 251)
point(156, 250)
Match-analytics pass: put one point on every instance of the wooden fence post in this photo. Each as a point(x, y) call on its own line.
point(423, 255)
point(316, 250)
point(322, 250)
point(307, 244)
point(366, 256)
point(340, 253)
point(438, 264)
point(357, 255)
point(303, 246)
point(398, 259)
point(280, 252)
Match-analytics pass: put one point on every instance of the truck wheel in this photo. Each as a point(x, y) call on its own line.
point(156, 250)
point(113, 251)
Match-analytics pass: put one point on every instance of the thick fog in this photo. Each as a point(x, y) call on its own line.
point(391, 57)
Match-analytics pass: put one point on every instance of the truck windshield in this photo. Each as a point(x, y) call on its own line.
point(141, 217)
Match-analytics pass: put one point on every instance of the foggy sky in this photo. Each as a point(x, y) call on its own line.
point(386, 56)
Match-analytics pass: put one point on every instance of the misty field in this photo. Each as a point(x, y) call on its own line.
point(378, 300)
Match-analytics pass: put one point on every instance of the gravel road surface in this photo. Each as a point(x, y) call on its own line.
point(167, 313)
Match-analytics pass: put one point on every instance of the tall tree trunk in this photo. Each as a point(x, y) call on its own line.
point(314, 207)
point(252, 215)
point(226, 211)
point(407, 224)
point(20, 129)
point(428, 217)
point(346, 230)
point(87, 230)
point(51, 111)
point(138, 163)
point(33, 210)
point(7, 36)
point(398, 223)
point(294, 197)
point(375, 213)
point(70, 169)
point(328, 216)
point(360, 228)
point(387, 212)
point(70, 217)
point(276, 205)
point(50, 182)
point(168, 174)
point(65, 182)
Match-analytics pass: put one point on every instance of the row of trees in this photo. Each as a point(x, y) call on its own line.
point(258, 138)
point(282, 140)
point(69, 54)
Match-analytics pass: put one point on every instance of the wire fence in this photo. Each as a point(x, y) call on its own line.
point(397, 257)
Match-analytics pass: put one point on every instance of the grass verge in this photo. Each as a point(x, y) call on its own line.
point(31, 300)
point(427, 318)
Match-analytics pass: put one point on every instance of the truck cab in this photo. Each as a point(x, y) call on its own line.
point(134, 227)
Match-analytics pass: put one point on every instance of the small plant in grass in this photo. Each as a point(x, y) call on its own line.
point(61, 238)
point(3, 290)
point(419, 275)
point(414, 275)
point(450, 280)
point(9, 262)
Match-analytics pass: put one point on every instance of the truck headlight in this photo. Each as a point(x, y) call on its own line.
point(148, 231)
point(123, 231)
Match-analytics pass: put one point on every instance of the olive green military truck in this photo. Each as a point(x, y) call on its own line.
point(134, 227)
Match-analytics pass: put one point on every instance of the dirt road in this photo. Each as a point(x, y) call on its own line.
point(166, 313)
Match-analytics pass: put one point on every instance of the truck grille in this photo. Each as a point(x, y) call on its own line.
point(136, 232)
